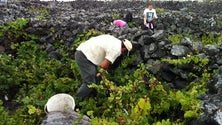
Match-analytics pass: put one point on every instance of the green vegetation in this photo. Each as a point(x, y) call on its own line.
point(175, 38)
point(219, 21)
point(160, 10)
point(82, 37)
point(140, 98)
point(115, 16)
point(5, 117)
point(36, 78)
point(33, 78)
point(131, 24)
point(39, 12)
point(40, 17)
point(14, 31)
point(205, 39)
point(211, 39)
point(194, 60)
point(124, 96)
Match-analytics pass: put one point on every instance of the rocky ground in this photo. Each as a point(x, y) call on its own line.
point(54, 21)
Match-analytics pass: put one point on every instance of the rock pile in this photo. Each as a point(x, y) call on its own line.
point(68, 19)
point(153, 49)
point(212, 102)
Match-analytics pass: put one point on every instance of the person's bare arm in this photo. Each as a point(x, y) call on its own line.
point(105, 64)
point(144, 19)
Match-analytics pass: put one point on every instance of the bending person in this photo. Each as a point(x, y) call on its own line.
point(97, 51)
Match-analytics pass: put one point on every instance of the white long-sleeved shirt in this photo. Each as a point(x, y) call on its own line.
point(96, 49)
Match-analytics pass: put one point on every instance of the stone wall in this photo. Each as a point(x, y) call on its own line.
point(74, 17)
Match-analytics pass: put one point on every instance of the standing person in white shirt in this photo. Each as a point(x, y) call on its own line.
point(149, 15)
point(97, 51)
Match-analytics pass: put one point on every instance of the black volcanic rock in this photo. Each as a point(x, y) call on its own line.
point(179, 50)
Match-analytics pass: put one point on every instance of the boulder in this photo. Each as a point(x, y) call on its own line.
point(179, 50)
point(65, 118)
point(212, 50)
point(213, 101)
point(197, 46)
point(186, 42)
point(159, 34)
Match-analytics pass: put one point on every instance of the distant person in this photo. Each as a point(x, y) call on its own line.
point(122, 23)
point(119, 23)
point(149, 16)
point(99, 51)
point(129, 17)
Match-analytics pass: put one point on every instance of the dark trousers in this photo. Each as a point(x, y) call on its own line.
point(151, 25)
point(88, 73)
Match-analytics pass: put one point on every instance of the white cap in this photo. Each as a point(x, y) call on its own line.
point(127, 44)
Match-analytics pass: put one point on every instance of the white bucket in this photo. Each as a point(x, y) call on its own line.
point(59, 102)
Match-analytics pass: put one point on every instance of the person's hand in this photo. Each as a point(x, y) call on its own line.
point(105, 64)
point(147, 25)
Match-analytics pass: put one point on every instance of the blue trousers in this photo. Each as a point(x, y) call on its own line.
point(88, 72)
